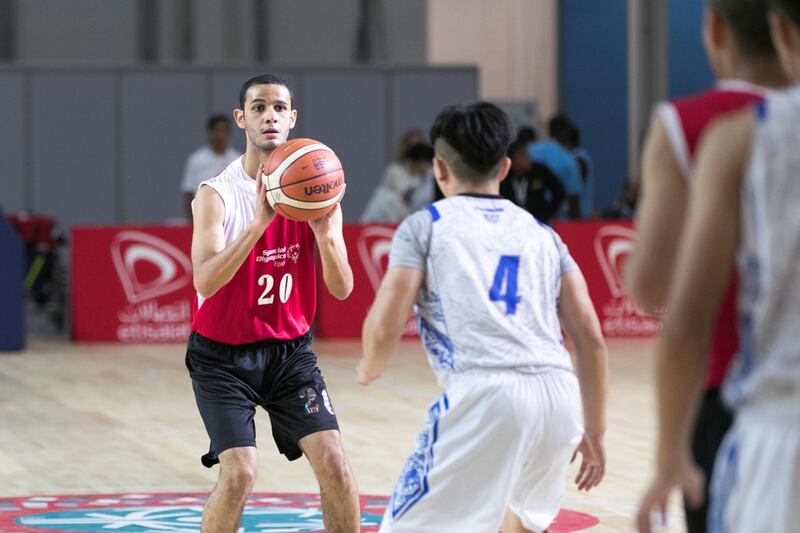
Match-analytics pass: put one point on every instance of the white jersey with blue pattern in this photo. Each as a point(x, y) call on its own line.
point(767, 366)
point(489, 299)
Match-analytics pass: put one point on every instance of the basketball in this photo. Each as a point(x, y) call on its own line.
point(303, 179)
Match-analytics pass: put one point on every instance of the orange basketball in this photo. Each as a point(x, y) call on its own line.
point(304, 179)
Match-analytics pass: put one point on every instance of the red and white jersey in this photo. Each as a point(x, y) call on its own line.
point(273, 294)
point(685, 120)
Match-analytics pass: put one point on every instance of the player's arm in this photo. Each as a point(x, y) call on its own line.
point(580, 321)
point(336, 269)
point(703, 266)
point(387, 320)
point(213, 263)
point(659, 219)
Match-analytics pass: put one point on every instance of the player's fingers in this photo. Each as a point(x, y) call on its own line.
point(694, 490)
point(586, 476)
point(656, 498)
point(643, 516)
point(581, 471)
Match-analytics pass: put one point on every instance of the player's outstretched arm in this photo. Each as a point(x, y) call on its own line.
point(591, 358)
point(213, 263)
point(336, 269)
point(703, 266)
point(659, 220)
point(387, 320)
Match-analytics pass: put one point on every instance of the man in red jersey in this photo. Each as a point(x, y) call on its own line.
point(737, 39)
point(250, 343)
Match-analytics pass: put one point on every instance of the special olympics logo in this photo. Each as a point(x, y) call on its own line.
point(173, 267)
point(374, 244)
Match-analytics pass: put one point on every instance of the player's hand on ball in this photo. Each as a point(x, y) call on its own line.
point(684, 475)
point(329, 224)
point(264, 214)
point(593, 462)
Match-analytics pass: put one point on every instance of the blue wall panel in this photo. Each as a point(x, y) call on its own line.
point(688, 68)
point(593, 63)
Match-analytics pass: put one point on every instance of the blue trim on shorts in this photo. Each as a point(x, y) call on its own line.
point(413, 482)
point(433, 211)
point(761, 110)
point(725, 477)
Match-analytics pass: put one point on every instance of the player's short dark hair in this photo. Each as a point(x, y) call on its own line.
point(262, 79)
point(472, 139)
point(560, 128)
point(419, 152)
point(790, 8)
point(213, 120)
point(747, 20)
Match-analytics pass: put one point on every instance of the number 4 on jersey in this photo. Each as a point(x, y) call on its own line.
point(506, 274)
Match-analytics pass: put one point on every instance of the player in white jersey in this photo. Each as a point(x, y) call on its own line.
point(745, 205)
point(490, 284)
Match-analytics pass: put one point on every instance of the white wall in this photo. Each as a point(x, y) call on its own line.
point(513, 42)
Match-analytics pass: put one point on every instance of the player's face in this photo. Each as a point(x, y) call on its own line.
point(268, 116)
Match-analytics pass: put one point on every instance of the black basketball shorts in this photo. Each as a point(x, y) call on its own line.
point(280, 376)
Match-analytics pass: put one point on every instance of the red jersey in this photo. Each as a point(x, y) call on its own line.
point(685, 120)
point(273, 294)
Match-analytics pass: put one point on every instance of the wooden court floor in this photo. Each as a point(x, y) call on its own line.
point(105, 418)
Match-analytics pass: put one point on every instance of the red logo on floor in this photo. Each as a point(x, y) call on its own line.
point(181, 513)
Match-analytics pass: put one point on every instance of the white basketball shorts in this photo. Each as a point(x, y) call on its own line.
point(756, 483)
point(493, 440)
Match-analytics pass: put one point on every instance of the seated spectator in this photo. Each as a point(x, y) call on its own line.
point(625, 205)
point(586, 168)
point(208, 160)
point(530, 185)
point(404, 188)
point(554, 154)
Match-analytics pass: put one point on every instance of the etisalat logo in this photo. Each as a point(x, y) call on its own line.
point(621, 316)
point(173, 268)
point(374, 244)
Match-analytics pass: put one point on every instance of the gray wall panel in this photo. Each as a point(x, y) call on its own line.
point(85, 31)
point(225, 96)
point(163, 117)
point(418, 95)
point(347, 111)
point(12, 142)
point(72, 147)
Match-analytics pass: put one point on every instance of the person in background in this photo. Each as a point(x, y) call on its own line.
point(625, 205)
point(555, 154)
point(403, 190)
point(209, 160)
point(586, 168)
point(532, 186)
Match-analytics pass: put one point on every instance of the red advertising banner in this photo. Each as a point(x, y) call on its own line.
point(134, 284)
point(131, 284)
point(368, 252)
point(600, 249)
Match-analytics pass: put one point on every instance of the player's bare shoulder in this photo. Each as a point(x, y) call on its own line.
point(726, 143)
